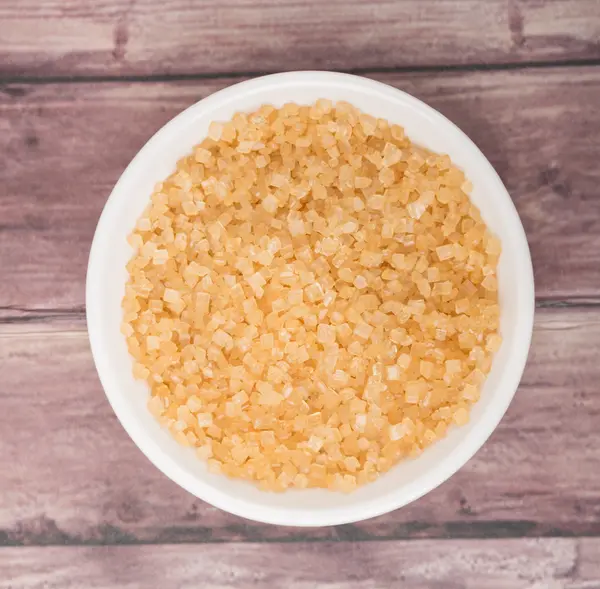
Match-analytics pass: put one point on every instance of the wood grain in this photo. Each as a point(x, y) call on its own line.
point(149, 37)
point(66, 145)
point(86, 83)
point(442, 564)
point(75, 477)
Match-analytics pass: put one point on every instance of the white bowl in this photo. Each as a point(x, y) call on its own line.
point(106, 279)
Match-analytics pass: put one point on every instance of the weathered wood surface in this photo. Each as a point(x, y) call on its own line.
point(73, 476)
point(86, 83)
point(146, 37)
point(443, 564)
point(65, 146)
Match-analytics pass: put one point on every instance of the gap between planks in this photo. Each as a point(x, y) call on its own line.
point(153, 78)
point(74, 318)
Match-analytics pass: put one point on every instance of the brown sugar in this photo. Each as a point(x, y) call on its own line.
point(312, 297)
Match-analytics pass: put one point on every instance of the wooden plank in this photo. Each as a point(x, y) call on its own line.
point(450, 564)
point(75, 477)
point(148, 37)
point(66, 145)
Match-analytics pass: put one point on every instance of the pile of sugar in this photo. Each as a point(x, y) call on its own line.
point(312, 298)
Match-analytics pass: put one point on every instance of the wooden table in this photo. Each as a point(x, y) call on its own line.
point(83, 85)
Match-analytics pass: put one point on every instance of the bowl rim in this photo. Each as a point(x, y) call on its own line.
point(281, 515)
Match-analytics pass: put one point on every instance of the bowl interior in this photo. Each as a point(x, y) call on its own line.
point(107, 277)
